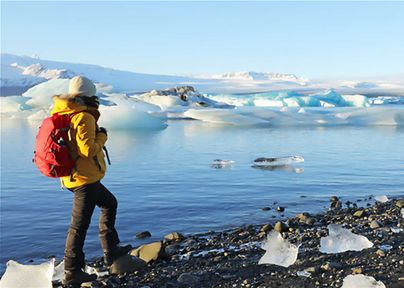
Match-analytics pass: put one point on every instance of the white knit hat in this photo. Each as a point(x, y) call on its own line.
point(81, 86)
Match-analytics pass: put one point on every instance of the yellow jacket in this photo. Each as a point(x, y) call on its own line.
point(86, 145)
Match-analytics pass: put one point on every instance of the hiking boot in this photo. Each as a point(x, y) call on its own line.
point(75, 278)
point(117, 252)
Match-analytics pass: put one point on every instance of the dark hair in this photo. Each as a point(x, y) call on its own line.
point(91, 101)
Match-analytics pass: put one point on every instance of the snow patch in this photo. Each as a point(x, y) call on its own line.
point(341, 240)
point(361, 281)
point(279, 251)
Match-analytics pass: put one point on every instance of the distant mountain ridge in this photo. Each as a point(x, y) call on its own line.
point(19, 73)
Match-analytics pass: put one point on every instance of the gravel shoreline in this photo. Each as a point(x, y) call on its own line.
point(230, 258)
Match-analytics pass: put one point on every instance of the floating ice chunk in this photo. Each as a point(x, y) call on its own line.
point(278, 251)
point(381, 198)
point(278, 161)
point(341, 240)
point(361, 281)
point(219, 163)
point(224, 116)
point(356, 100)
point(41, 94)
point(22, 276)
point(303, 273)
point(127, 114)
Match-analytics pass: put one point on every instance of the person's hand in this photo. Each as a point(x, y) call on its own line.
point(102, 130)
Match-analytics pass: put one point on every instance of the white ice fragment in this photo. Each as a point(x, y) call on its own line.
point(278, 251)
point(381, 198)
point(303, 273)
point(219, 163)
point(341, 240)
point(278, 161)
point(396, 230)
point(59, 271)
point(385, 248)
point(22, 276)
point(361, 281)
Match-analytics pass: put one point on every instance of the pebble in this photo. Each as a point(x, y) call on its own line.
point(280, 209)
point(175, 236)
point(381, 253)
point(357, 270)
point(359, 213)
point(400, 203)
point(334, 199)
point(281, 227)
point(374, 224)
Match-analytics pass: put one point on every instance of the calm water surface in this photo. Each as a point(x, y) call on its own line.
point(164, 182)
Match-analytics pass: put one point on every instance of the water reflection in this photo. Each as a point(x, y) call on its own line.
point(287, 168)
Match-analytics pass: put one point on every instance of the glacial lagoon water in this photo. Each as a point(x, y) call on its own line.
point(164, 180)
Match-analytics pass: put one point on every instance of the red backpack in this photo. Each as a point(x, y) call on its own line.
point(51, 155)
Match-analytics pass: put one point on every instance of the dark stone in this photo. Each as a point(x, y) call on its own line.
point(280, 209)
point(143, 235)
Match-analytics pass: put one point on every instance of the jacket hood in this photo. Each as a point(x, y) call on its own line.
point(66, 104)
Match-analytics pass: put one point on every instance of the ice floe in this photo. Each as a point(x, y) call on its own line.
point(219, 163)
point(361, 281)
point(381, 198)
point(22, 276)
point(278, 161)
point(341, 240)
point(279, 251)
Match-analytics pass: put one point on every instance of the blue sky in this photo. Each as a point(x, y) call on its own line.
point(311, 39)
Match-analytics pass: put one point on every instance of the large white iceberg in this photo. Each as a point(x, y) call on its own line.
point(341, 240)
point(41, 94)
point(33, 276)
point(279, 251)
point(129, 114)
point(361, 281)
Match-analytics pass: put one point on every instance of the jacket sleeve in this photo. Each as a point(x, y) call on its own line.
point(89, 143)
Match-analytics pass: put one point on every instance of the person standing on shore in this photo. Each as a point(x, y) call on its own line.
point(86, 145)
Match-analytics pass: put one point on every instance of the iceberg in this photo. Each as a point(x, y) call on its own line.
point(13, 104)
point(41, 94)
point(127, 114)
point(22, 276)
point(279, 251)
point(342, 240)
point(361, 281)
point(326, 99)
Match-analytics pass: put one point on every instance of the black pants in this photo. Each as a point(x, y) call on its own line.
point(85, 199)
